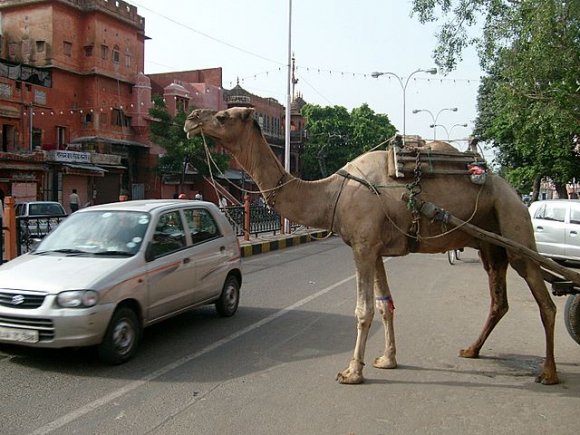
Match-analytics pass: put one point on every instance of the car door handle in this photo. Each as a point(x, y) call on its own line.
point(573, 233)
point(186, 260)
point(540, 228)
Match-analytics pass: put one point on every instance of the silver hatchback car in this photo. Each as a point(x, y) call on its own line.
point(110, 270)
point(557, 228)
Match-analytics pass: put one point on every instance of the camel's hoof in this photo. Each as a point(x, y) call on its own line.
point(548, 379)
point(350, 378)
point(382, 362)
point(468, 353)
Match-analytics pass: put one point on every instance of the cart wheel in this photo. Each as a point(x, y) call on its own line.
point(452, 256)
point(572, 317)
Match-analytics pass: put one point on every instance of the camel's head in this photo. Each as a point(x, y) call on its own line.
point(226, 126)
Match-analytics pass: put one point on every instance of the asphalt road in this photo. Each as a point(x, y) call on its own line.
point(271, 368)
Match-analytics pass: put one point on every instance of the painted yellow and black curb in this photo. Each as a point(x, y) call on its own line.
point(285, 242)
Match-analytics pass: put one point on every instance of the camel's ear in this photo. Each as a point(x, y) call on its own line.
point(247, 113)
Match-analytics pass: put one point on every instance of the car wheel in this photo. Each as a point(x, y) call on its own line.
point(227, 304)
point(572, 317)
point(122, 337)
point(451, 256)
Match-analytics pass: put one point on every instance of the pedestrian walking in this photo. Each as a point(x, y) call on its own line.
point(73, 201)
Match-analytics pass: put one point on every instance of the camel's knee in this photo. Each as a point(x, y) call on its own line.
point(364, 318)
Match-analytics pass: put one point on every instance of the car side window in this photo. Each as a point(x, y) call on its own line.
point(201, 225)
point(575, 214)
point(169, 235)
point(552, 212)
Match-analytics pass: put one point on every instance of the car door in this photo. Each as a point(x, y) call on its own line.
point(573, 232)
point(208, 253)
point(170, 273)
point(550, 229)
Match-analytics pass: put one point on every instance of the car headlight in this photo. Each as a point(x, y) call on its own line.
point(77, 298)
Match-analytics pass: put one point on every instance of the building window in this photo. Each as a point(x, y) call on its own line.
point(40, 46)
point(36, 138)
point(128, 58)
point(60, 137)
point(40, 97)
point(67, 48)
point(87, 119)
point(88, 50)
point(119, 118)
point(104, 52)
point(180, 104)
point(116, 55)
point(5, 90)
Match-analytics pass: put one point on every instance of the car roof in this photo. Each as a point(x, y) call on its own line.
point(146, 205)
point(39, 202)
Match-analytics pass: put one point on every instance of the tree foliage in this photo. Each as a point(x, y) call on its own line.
point(167, 131)
point(529, 103)
point(336, 136)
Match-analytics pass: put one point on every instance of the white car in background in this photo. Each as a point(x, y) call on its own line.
point(556, 225)
point(110, 270)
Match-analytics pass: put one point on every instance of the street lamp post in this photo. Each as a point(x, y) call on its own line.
point(447, 131)
point(404, 84)
point(434, 125)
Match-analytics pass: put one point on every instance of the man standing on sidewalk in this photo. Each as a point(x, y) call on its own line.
point(73, 201)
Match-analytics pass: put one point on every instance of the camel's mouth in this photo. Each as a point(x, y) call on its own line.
point(192, 129)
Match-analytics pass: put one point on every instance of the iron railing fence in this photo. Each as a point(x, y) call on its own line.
point(31, 229)
point(262, 219)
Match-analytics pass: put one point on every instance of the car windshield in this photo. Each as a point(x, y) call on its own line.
point(118, 233)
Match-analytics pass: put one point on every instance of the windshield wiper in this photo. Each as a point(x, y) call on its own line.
point(61, 251)
point(114, 253)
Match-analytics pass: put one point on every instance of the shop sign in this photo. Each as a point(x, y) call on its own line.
point(68, 156)
point(106, 159)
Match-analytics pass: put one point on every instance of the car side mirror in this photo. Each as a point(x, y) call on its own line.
point(149, 256)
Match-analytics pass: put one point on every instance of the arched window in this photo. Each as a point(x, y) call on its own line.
point(116, 55)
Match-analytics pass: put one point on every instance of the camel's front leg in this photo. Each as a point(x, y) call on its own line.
point(353, 374)
point(386, 307)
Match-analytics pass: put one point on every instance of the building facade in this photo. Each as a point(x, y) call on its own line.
point(74, 107)
point(68, 77)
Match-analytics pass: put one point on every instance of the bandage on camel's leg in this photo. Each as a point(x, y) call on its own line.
point(386, 307)
point(495, 262)
point(531, 272)
point(364, 312)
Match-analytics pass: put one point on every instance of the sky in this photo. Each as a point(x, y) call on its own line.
point(337, 44)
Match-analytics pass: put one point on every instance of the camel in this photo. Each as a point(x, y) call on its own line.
point(363, 205)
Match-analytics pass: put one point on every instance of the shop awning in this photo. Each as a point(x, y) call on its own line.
point(91, 170)
point(102, 139)
point(22, 166)
point(234, 175)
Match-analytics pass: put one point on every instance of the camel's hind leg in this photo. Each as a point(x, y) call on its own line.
point(386, 307)
point(531, 272)
point(495, 263)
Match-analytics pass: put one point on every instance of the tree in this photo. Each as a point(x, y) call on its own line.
point(167, 131)
point(336, 136)
point(529, 104)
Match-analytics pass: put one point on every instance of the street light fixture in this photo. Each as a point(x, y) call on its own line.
point(447, 131)
point(404, 84)
point(435, 117)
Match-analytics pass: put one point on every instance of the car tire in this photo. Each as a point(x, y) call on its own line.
point(451, 256)
point(572, 317)
point(228, 302)
point(122, 337)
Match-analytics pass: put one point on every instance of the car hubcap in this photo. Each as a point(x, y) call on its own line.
point(123, 337)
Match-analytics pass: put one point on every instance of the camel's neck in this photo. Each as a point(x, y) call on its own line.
point(304, 202)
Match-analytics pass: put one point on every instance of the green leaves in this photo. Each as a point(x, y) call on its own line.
point(167, 131)
point(336, 136)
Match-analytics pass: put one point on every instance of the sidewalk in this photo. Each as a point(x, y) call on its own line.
point(270, 242)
